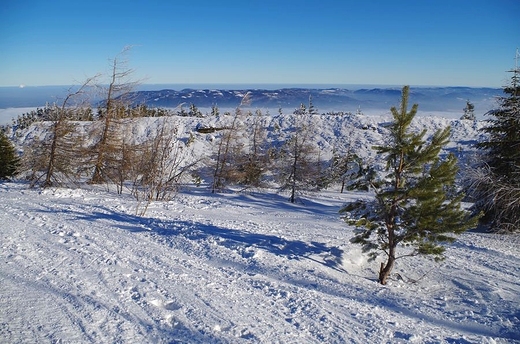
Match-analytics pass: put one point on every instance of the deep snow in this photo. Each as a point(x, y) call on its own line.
point(77, 265)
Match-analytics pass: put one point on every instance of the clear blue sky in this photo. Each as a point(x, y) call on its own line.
point(415, 42)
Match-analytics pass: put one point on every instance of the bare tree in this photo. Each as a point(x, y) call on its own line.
point(109, 143)
point(60, 131)
point(159, 165)
point(229, 147)
point(255, 161)
point(53, 159)
point(299, 163)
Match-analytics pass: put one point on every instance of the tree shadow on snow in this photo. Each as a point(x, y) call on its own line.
point(273, 201)
point(239, 240)
point(242, 240)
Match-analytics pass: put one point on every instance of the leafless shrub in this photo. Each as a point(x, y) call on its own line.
point(158, 166)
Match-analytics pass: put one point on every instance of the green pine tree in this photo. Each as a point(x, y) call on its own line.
point(497, 185)
point(415, 204)
point(9, 160)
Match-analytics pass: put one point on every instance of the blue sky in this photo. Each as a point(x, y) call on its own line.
point(419, 42)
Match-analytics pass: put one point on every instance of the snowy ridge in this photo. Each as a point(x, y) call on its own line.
point(430, 98)
point(79, 267)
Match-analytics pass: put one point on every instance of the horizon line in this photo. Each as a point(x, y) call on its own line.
point(243, 85)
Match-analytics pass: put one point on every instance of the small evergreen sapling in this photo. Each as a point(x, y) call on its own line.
point(415, 204)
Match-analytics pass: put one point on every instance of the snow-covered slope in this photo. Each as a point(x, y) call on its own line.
point(78, 267)
point(330, 133)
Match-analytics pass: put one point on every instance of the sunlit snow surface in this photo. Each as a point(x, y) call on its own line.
point(77, 265)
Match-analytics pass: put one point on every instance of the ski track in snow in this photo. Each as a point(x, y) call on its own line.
point(78, 267)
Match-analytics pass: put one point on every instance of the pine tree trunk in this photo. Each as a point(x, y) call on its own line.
point(391, 220)
point(386, 269)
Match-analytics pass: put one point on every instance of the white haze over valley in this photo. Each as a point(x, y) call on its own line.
point(78, 266)
point(449, 101)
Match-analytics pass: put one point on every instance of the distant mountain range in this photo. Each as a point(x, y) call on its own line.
point(429, 98)
point(443, 99)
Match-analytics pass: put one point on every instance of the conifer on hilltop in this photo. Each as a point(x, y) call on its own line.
point(469, 111)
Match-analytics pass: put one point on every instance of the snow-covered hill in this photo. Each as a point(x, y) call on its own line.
point(77, 265)
point(329, 132)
